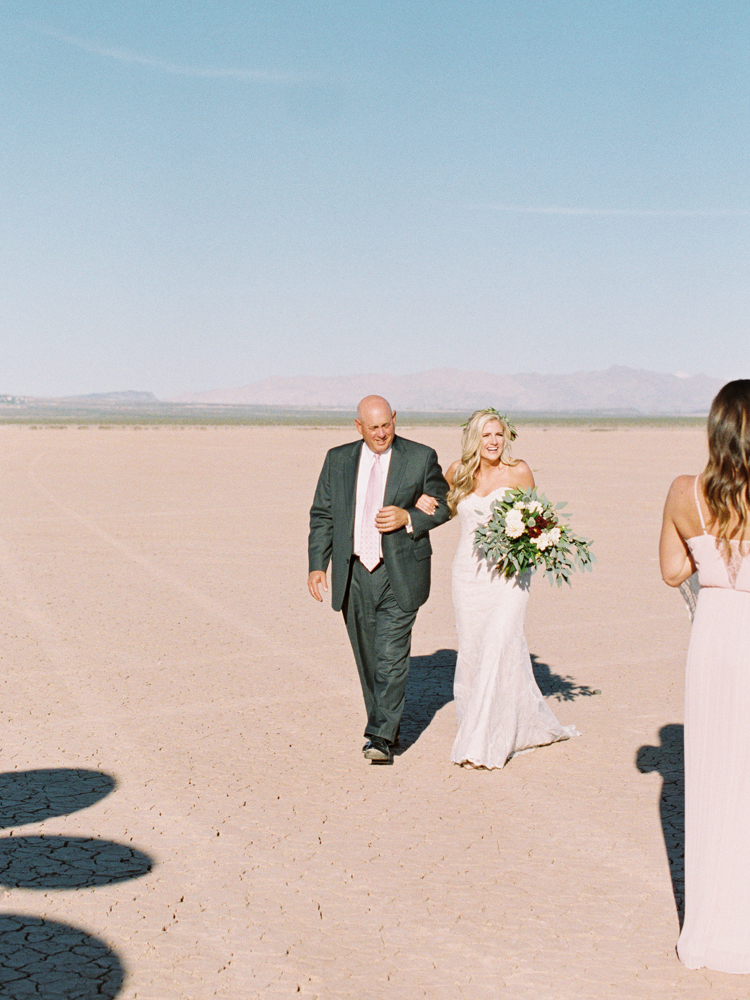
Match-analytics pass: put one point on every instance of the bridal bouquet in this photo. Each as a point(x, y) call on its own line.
point(525, 532)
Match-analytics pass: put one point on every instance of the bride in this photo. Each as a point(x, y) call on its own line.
point(500, 709)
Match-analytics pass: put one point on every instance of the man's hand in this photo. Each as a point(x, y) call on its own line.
point(315, 581)
point(391, 519)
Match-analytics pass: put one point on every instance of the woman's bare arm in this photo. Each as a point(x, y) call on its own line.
point(675, 560)
point(429, 504)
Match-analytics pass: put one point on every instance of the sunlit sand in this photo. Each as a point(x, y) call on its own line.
point(157, 629)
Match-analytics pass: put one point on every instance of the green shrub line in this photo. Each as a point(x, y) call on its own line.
point(60, 416)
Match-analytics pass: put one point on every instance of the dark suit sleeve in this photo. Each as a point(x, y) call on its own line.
point(434, 485)
point(320, 540)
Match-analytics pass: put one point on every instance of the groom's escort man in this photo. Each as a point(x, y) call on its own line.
point(364, 522)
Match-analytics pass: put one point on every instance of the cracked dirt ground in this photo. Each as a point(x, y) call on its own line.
point(185, 810)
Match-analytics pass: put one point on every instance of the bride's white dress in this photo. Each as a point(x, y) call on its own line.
point(500, 709)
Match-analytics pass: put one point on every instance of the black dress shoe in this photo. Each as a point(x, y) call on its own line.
point(395, 742)
point(379, 751)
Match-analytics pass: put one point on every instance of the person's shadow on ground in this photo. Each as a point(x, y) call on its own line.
point(669, 760)
point(430, 687)
point(44, 958)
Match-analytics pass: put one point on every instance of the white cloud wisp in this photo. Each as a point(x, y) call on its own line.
point(134, 59)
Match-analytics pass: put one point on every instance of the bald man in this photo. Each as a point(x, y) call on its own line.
point(365, 523)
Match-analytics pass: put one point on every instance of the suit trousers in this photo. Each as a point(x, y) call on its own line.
point(380, 634)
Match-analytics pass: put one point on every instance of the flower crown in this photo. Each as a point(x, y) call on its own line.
point(512, 432)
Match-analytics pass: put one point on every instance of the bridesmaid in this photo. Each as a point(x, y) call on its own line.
point(707, 527)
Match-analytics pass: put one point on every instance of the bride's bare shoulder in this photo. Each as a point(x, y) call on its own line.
point(522, 475)
point(450, 472)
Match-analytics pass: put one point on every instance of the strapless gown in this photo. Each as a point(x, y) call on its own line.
point(500, 709)
point(716, 932)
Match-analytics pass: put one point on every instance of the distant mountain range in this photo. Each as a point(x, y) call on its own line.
point(618, 390)
point(127, 398)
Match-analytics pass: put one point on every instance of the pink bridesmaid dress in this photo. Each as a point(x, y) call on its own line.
point(716, 932)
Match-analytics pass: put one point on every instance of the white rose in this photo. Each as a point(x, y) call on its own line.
point(543, 541)
point(554, 535)
point(535, 506)
point(514, 526)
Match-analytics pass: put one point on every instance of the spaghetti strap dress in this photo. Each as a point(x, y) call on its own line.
point(716, 931)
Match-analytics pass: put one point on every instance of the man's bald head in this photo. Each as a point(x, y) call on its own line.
point(373, 407)
point(376, 422)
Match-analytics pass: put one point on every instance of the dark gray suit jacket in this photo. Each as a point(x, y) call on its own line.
point(413, 470)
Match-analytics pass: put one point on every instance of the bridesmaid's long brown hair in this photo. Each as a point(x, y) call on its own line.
point(726, 478)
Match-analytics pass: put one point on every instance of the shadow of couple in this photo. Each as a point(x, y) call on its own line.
point(430, 687)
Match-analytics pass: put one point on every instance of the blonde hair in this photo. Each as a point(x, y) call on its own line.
point(726, 478)
point(465, 476)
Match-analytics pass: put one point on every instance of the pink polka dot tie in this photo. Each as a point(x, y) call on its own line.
point(369, 555)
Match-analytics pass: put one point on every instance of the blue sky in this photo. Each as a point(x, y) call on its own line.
point(197, 195)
